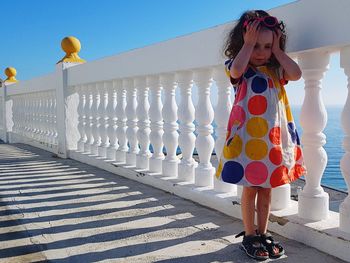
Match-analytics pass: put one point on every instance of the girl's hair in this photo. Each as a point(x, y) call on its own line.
point(235, 41)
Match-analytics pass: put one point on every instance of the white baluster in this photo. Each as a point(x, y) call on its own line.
point(89, 119)
point(344, 208)
point(170, 136)
point(204, 173)
point(131, 131)
point(55, 137)
point(143, 124)
point(51, 119)
point(155, 114)
point(112, 113)
point(221, 115)
point(120, 155)
point(14, 112)
point(96, 120)
point(47, 116)
point(313, 201)
point(102, 149)
point(82, 117)
point(187, 138)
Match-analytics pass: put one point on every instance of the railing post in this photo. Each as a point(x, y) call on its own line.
point(170, 136)
point(313, 200)
point(143, 132)
point(187, 138)
point(67, 99)
point(221, 115)
point(204, 173)
point(344, 209)
point(155, 115)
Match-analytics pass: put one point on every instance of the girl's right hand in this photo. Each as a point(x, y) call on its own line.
point(252, 31)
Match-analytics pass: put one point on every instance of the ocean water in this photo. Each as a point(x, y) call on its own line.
point(332, 175)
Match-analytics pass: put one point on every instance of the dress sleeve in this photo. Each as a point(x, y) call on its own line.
point(228, 64)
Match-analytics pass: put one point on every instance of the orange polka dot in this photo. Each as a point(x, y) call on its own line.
point(275, 135)
point(256, 149)
point(257, 105)
point(297, 153)
point(296, 172)
point(275, 155)
point(279, 176)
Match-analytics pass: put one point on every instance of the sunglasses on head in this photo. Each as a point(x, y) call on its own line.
point(267, 21)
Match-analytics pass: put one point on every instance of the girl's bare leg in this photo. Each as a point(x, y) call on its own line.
point(263, 209)
point(248, 209)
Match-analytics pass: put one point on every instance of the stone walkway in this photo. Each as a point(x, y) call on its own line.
point(57, 210)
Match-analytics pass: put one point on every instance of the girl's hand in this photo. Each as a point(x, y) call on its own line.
point(276, 41)
point(251, 35)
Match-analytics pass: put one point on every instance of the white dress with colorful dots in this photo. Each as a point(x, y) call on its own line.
point(262, 146)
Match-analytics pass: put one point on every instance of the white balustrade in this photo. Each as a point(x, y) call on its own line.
point(187, 138)
point(102, 149)
point(112, 120)
point(143, 132)
point(155, 114)
point(344, 209)
point(170, 136)
point(82, 117)
point(89, 119)
point(221, 115)
point(313, 200)
point(96, 119)
point(205, 172)
point(131, 131)
point(122, 149)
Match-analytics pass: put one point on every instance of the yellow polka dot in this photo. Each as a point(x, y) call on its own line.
point(257, 127)
point(256, 149)
point(219, 170)
point(234, 149)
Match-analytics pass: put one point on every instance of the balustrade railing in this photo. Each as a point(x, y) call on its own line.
point(137, 110)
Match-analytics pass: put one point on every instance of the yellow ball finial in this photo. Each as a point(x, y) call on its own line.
point(11, 73)
point(71, 45)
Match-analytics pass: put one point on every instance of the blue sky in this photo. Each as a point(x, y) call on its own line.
point(32, 32)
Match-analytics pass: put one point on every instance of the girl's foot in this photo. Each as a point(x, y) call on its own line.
point(274, 248)
point(253, 247)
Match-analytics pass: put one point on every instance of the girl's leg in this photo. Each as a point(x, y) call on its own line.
point(263, 209)
point(248, 209)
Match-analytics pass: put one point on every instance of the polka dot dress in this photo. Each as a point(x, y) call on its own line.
point(262, 146)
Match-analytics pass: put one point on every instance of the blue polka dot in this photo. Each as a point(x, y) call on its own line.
point(259, 85)
point(292, 132)
point(298, 140)
point(232, 172)
point(249, 73)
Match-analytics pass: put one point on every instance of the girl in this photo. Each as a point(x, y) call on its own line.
point(262, 148)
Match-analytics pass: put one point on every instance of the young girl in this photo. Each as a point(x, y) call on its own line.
point(262, 148)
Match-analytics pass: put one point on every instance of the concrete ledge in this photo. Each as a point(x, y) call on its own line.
point(323, 235)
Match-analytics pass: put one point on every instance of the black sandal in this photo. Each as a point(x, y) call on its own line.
point(253, 247)
point(271, 245)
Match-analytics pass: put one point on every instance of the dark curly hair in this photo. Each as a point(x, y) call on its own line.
point(235, 41)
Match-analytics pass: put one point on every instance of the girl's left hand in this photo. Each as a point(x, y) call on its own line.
point(276, 40)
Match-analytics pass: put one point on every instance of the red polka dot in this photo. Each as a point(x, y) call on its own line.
point(275, 135)
point(241, 93)
point(270, 83)
point(296, 172)
point(275, 155)
point(257, 105)
point(256, 173)
point(297, 153)
point(237, 117)
point(279, 176)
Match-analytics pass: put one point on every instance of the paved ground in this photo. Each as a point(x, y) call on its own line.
point(55, 210)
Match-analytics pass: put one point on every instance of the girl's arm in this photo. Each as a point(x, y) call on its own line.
point(291, 69)
point(242, 59)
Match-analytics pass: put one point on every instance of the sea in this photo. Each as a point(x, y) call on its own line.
point(332, 176)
